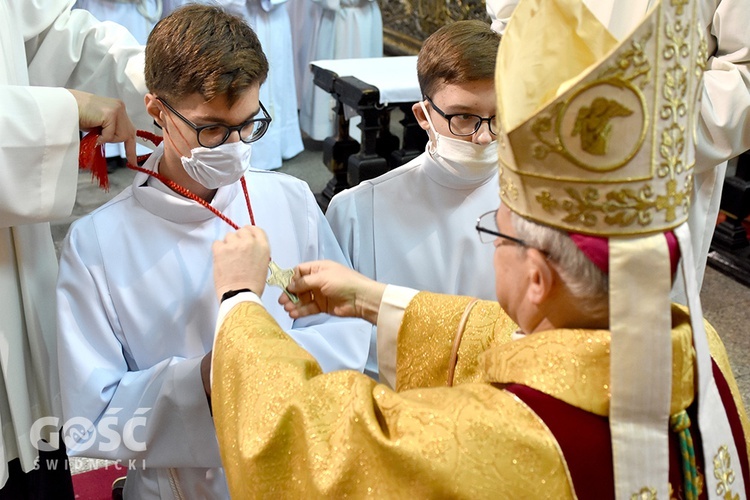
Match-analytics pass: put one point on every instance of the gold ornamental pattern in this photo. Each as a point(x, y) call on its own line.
point(508, 188)
point(678, 63)
point(630, 72)
point(582, 127)
point(612, 155)
point(724, 474)
point(620, 207)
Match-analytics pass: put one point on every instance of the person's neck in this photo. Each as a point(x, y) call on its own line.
point(171, 168)
point(569, 316)
point(562, 311)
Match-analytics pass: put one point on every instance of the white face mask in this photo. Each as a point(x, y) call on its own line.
point(219, 166)
point(463, 158)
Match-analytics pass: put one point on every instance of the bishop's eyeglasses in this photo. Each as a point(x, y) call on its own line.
point(487, 229)
point(216, 134)
point(465, 124)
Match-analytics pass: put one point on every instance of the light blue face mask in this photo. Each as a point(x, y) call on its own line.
point(220, 166)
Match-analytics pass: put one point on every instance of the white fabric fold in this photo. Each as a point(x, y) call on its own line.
point(640, 379)
point(712, 417)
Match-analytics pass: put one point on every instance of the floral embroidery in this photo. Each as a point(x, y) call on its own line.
point(724, 474)
point(646, 493)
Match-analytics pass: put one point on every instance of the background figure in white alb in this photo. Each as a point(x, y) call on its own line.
point(270, 21)
point(724, 125)
point(139, 17)
point(330, 29)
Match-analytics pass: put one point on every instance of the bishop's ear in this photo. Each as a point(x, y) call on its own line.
point(542, 277)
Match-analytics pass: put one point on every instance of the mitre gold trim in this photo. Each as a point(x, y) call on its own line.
point(612, 152)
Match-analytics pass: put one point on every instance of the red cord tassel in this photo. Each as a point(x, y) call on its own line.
point(91, 157)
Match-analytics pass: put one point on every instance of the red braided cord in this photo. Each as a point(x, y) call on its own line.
point(155, 139)
point(247, 200)
point(151, 137)
point(184, 192)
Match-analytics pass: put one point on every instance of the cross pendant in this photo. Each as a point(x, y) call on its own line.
point(281, 278)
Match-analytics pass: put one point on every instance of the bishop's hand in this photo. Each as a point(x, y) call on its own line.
point(241, 261)
point(329, 287)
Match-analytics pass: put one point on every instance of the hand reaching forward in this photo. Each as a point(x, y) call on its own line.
point(109, 114)
point(241, 261)
point(329, 287)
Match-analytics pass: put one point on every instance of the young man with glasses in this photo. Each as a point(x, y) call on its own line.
point(413, 225)
point(136, 306)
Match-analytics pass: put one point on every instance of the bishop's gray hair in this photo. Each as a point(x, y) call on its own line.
point(586, 282)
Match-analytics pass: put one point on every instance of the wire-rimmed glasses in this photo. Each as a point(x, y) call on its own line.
point(487, 229)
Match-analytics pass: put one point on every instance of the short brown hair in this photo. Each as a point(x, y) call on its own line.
point(203, 49)
point(464, 51)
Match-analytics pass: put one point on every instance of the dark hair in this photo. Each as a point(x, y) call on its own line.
point(464, 51)
point(203, 49)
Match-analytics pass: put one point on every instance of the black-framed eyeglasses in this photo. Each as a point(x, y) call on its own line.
point(464, 124)
point(216, 134)
point(487, 229)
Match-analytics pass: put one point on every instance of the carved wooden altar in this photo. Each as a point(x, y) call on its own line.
point(406, 23)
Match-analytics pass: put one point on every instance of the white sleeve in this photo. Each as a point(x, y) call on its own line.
point(350, 215)
point(75, 50)
point(500, 12)
point(724, 126)
point(344, 221)
point(118, 410)
point(724, 122)
point(38, 154)
point(39, 119)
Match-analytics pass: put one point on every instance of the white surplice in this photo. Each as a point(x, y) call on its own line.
point(43, 46)
point(137, 309)
point(415, 226)
point(330, 29)
point(724, 125)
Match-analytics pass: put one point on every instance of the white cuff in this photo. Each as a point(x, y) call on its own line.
point(390, 315)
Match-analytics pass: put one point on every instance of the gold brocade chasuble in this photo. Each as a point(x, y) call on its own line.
point(287, 431)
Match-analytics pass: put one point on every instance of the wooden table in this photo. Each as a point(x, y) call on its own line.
point(371, 89)
point(730, 250)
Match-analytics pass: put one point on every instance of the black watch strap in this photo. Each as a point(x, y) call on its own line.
point(232, 293)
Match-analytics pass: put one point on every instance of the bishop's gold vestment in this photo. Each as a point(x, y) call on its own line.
point(287, 431)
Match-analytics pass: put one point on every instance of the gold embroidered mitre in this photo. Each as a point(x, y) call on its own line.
point(597, 135)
